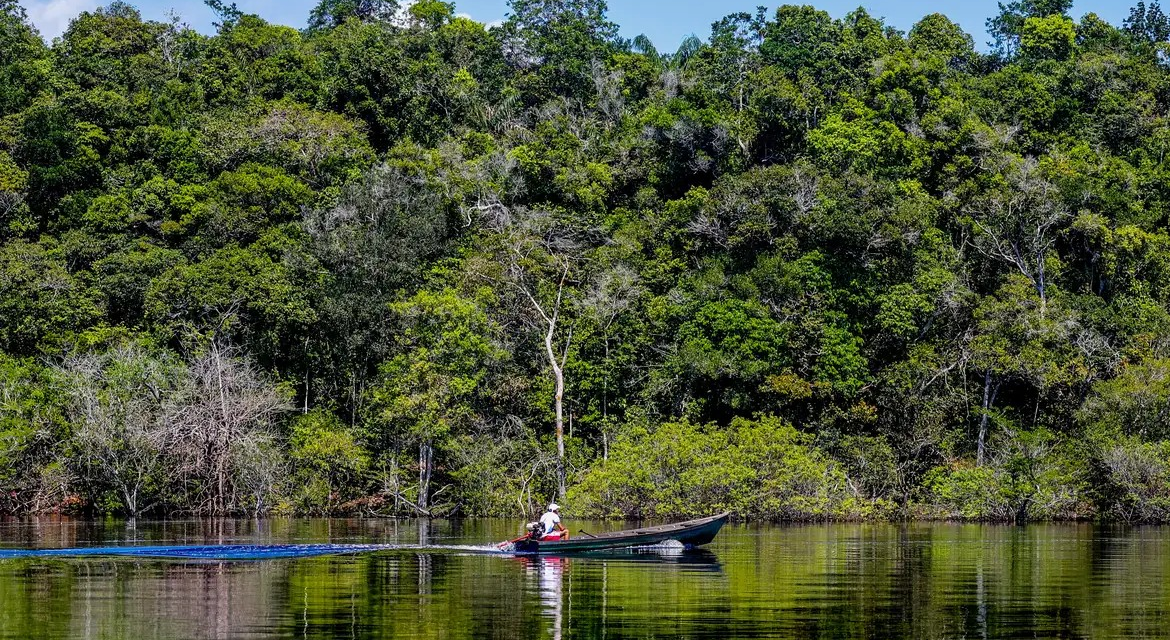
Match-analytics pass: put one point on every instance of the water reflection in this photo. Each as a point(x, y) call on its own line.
point(840, 581)
point(549, 575)
point(692, 559)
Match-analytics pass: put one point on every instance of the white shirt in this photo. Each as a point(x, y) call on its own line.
point(549, 521)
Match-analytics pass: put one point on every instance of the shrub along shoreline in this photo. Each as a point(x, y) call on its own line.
point(767, 470)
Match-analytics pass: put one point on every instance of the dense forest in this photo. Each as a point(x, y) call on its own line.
point(401, 263)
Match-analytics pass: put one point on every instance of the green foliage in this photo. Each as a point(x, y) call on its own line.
point(427, 396)
point(1032, 476)
point(447, 350)
point(1134, 403)
point(1133, 480)
point(243, 292)
point(1148, 23)
point(1006, 27)
point(111, 48)
point(561, 39)
point(41, 302)
point(322, 149)
point(800, 38)
point(331, 13)
point(756, 468)
point(24, 64)
point(854, 141)
point(60, 154)
point(938, 35)
point(32, 430)
point(1020, 337)
point(465, 248)
point(1048, 38)
point(328, 463)
point(251, 59)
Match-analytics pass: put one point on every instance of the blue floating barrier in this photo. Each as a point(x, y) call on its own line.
point(201, 552)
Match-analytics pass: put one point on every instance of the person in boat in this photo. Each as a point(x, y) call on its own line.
point(550, 523)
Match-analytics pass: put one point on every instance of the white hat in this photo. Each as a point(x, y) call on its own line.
point(553, 507)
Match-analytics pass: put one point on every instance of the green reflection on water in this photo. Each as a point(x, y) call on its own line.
point(824, 581)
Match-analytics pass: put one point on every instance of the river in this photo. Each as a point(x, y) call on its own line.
point(797, 581)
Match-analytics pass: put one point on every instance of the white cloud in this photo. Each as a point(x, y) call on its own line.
point(52, 17)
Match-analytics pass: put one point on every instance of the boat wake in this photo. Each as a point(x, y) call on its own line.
point(490, 549)
point(225, 552)
point(665, 545)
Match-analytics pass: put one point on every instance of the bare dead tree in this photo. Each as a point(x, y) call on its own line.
point(117, 405)
point(558, 369)
point(608, 85)
point(223, 417)
point(259, 469)
point(11, 203)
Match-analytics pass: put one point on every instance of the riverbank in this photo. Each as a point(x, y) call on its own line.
point(766, 469)
point(759, 470)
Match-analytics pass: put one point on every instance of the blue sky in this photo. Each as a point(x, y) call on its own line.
point(667, 22)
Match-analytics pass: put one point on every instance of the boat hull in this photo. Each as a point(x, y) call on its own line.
point(692, 533)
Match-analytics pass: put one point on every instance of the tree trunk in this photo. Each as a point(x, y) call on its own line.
point(559, 403)
point(131, 498)
point(223, 437)
point(560, 431)
point(426, 454)
point(558, 368)
point(1022, 511)
point(989, 393)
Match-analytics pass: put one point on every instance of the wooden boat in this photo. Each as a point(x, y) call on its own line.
point(691, 533)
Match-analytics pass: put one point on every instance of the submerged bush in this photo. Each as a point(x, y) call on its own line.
point(1134, 481)
point(754, 468)
point(328, 463)
point(1030, 476)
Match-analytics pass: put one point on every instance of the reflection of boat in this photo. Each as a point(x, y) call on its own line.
point(697, 559)
point(550, 572)
point(689, 560)
point(691, 533)
point(686, 560)
point(692, 558)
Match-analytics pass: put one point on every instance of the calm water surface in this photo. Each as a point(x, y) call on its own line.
point(824, 581)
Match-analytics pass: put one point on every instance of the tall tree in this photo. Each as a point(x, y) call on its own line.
point(1007, 26)
point(555, 43)
point(429, 393)
point(332, 13)
point(542, 260)
point(1148, 22)
point(23, 58)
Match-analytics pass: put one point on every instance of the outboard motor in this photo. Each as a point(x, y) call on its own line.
point(527, 543)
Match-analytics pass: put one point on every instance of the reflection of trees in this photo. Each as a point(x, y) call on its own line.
point(846, 581)
point(131, 598)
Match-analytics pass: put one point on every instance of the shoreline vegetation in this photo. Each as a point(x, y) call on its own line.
point(400, 263)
